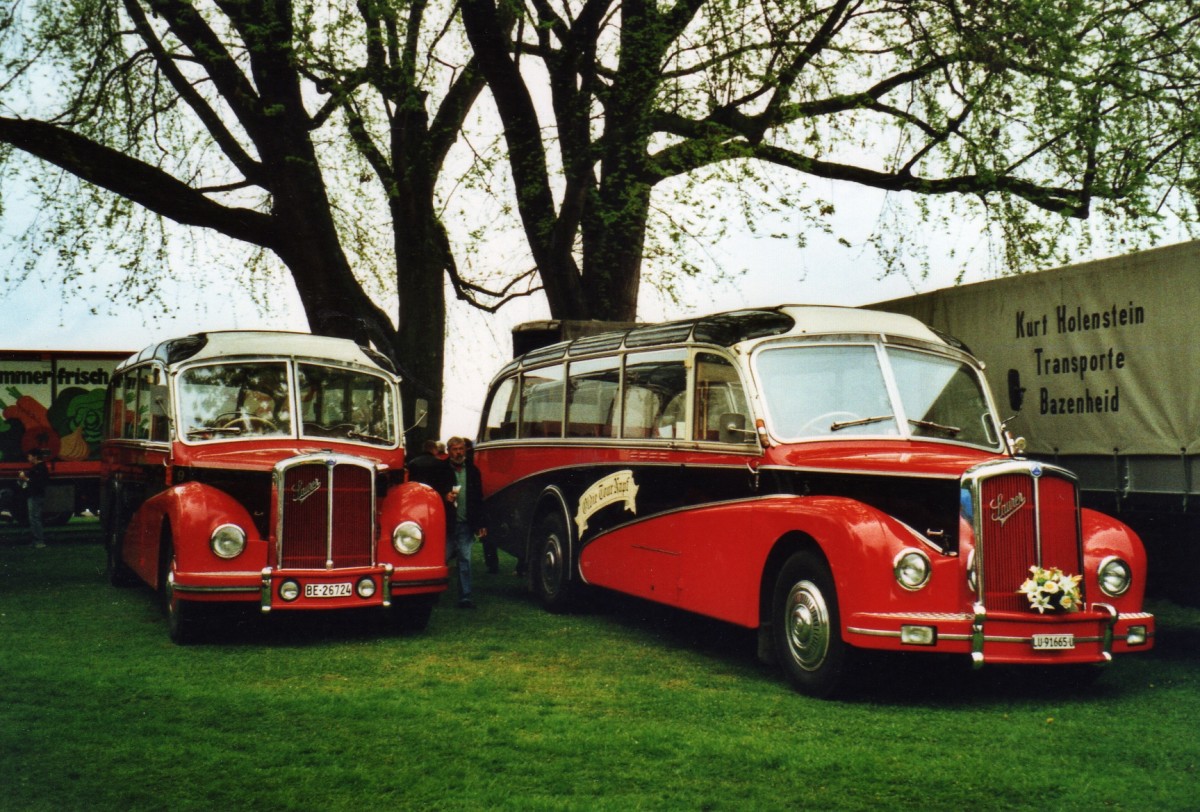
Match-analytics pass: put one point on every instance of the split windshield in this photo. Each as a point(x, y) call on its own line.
point(261, 399)
point(855, 389)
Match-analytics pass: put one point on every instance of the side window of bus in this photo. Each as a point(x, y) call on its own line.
point(655, 404)
point(129, 410)
point(542, 402)
point(160, 426)
point(116, 407)
point(145, 407)
point(720, 413)
point(501, 412)
point(592, 388)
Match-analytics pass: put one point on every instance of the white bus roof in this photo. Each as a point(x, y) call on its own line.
point(258, 343)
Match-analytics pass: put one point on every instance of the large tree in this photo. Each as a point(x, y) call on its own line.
point(233, 115)
point(1035, 112)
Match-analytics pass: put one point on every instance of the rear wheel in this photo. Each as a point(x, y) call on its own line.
point(807, 628)
point(552, 581)
point(115, 568)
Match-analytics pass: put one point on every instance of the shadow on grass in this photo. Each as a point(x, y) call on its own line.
point(908, 679)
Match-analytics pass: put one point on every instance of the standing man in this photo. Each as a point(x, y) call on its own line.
point(34, 483)
point(464, 514)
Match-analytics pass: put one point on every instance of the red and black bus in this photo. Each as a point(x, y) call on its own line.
point(837, 479)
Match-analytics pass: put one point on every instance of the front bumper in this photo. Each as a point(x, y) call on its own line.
point(1092, 635)
point(314, 589)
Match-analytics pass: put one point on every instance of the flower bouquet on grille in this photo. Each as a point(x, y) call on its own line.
point(1051, 590)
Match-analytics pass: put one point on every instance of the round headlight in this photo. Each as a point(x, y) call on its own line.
point(228, 541)
point(289, 590)
point(911, 569)
point(407, 538)
point(1115, 576)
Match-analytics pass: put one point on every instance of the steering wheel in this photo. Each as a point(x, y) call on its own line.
point(246, 421)
point(828, 419)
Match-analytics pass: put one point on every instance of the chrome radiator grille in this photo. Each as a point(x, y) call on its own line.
point(1025, 514)
point(326, 513)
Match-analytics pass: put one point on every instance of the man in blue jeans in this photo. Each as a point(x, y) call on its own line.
point(464, 515)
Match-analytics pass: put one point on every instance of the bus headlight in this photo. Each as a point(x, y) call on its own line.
point(911, 569)
point(1115, 576)
point(407, 538)
point(227, 541)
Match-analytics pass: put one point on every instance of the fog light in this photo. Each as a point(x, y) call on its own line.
point(1136, 636)
point(289, 590)
point(407, 538)
point(365, 588)
point(918, 635)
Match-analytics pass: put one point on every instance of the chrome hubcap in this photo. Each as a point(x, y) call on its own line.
point(807, 625)
point(551, 565)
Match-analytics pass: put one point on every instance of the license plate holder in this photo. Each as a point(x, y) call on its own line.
point(339, 590)
point(1053, 642)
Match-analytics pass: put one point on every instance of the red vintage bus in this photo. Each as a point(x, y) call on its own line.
point(837, 479)
point(266, 469)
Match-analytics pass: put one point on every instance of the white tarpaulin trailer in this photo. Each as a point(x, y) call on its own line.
point(1099, 363)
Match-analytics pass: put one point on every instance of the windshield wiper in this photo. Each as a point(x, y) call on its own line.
point(929, 424)
point(862, 421)
point(196, 431)
point(370, 438)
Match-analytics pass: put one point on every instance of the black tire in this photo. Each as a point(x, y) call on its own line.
point(411, 615)
point(806, 626)
point(551, 565)
point(186, 620)
point(118, 572)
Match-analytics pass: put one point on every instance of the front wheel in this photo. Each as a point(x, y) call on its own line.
point(186, 620)
point(807, 629)
point(552, 581)
point(411, 615)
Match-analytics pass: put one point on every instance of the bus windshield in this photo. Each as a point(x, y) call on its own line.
point(843, 390)
point(254, 399)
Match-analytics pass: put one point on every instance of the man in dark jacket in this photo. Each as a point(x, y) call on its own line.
point(34, 481)
point(464, 515)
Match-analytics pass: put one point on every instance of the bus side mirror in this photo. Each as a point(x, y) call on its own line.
point(421, 415)
point(1016, 392)
point(733, 428)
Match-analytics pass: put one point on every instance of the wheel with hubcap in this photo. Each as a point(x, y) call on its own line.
point(552, 580)
point(807, 628)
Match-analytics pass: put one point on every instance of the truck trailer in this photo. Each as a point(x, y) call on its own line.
point(1094, 363)
point(52, 402)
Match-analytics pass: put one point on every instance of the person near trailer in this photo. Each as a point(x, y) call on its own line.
point(34, 482)
point(464, 515)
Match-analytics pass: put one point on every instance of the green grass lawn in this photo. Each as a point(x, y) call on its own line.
point(631, 707)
